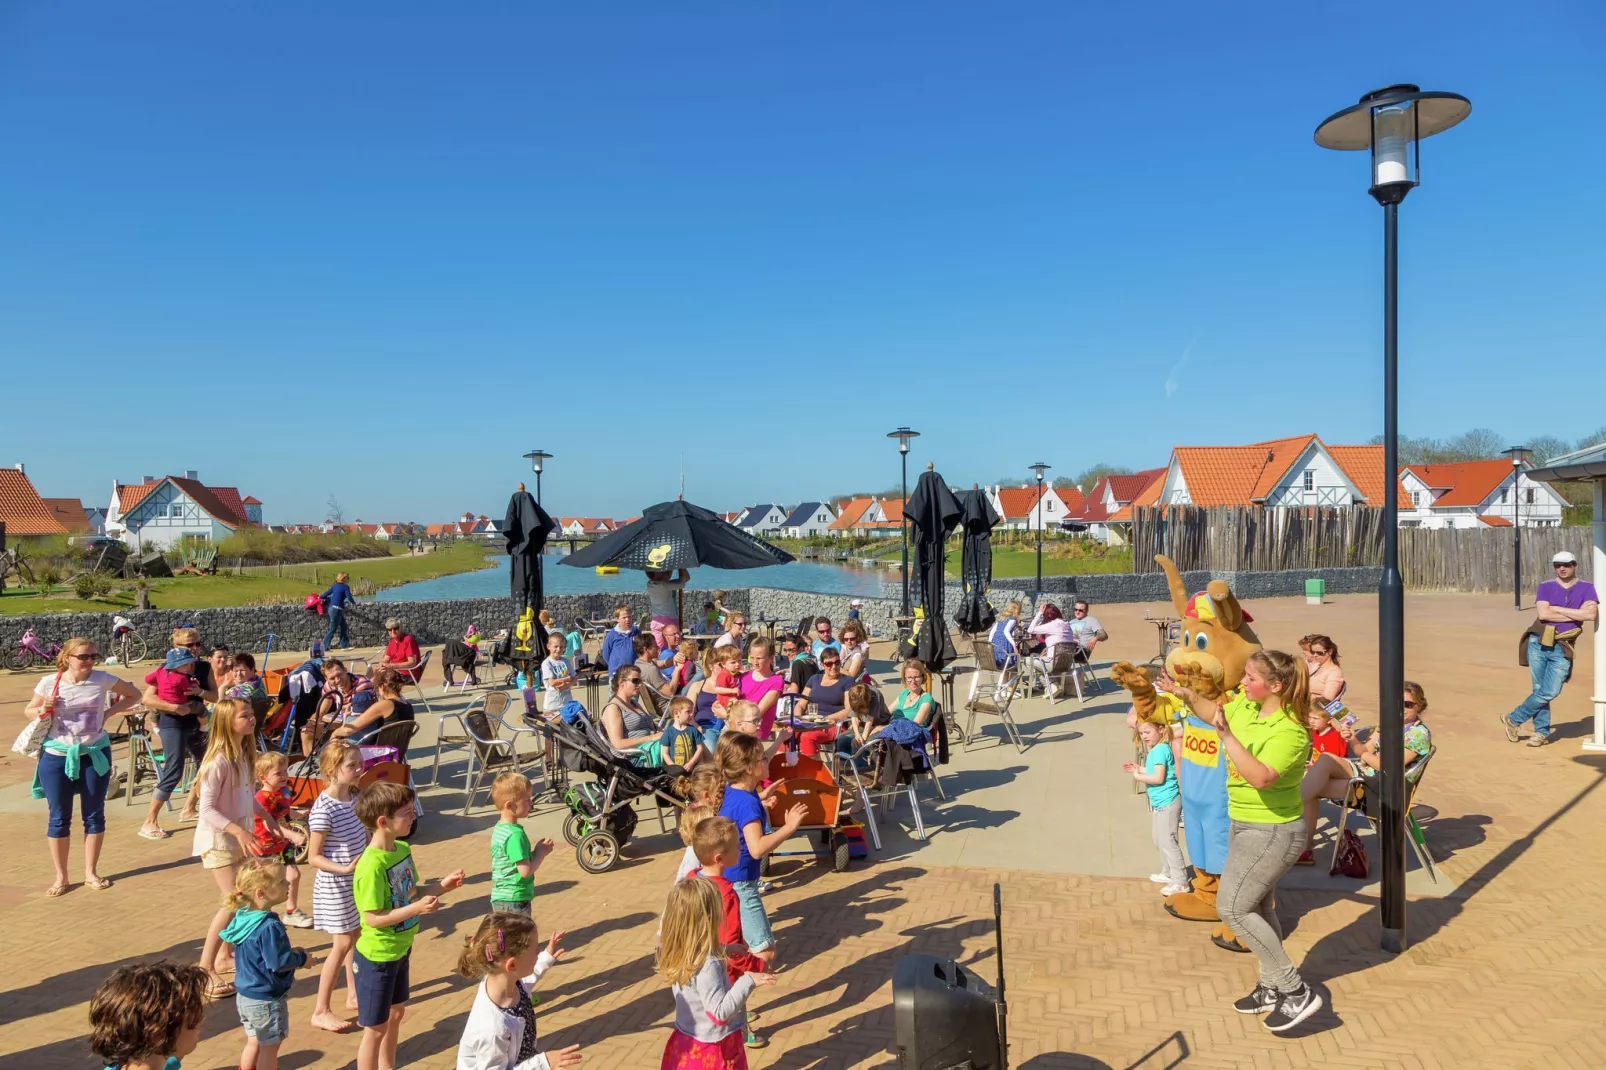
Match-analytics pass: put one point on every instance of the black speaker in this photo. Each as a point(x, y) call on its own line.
point(945, 1017)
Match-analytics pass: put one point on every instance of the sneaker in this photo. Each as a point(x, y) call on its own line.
point(764, 887)
point(1261, 1001)
point(1293, 1008)
point(1538, 739)
point(753, 1040)
point(1159, 878)
point(1175, 889)
point(1511, 729)
point(299, 919)
point(1306, 859)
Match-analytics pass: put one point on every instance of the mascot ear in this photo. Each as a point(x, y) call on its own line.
point(1228, 611)
point(1173, 579)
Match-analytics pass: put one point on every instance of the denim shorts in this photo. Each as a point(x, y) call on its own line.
point(755, 923)
point(380, 986)
point(265, 1020)
point(509, 906)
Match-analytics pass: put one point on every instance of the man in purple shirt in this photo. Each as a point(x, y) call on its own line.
point(1565, 602)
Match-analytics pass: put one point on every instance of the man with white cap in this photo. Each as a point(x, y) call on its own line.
point(1563, 604)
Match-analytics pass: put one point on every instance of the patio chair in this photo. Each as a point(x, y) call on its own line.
point(489, 753)
point(873, 756)
point(1071, 664)
point(357, 666)
point(991, 692)
point(493, 703)
point(418, 684)
point(398, 734)
point(1355, 799)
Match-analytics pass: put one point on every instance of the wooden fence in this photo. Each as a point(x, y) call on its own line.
point(1255, 539)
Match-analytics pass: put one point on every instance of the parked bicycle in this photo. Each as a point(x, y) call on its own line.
point(128, 643)
point(32, 653)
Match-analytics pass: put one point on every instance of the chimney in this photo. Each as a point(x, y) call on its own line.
point(146, 481)
point(22, 468)
point(190, 473)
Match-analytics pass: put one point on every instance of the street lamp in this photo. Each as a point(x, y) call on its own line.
point(1391, 122)
point(1516, 453)
point(903, 435)
point(1039, 468)
point(535, 457)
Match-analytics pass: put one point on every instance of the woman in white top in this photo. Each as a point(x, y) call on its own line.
point(76, 757)
point(855, 652)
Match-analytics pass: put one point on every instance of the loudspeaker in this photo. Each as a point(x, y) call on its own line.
point(945, 1017)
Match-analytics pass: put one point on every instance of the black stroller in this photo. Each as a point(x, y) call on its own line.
point(602, 815)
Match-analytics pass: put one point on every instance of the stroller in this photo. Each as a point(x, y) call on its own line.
point(602, 814)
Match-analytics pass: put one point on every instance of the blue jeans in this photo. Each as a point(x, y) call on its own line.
point(59, 792)
point(181, 735)
point(337, 619)
point(755, 922)
point(1549, 667)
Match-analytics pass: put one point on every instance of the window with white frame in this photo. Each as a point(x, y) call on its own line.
point(1529, 496)
point(1310, 479)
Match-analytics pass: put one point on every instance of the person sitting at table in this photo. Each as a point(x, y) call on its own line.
point(390, 708)
point(761, 684)
point(647, 662)
point(401, 652)
point(855, 648)
point(345, 695)
point(800, 664)
point(625, 724)
point(827, 693)
point(914, 701)
point(1004, 636)
point(1085, 629)
point(668, 645)
point(1050, 625)
point(822, 633)
point(735, 631)
point(1321, 659)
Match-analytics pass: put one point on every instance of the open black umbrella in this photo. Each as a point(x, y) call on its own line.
point(976, 563)
point(526, 528)
point(677, 534)
point(933, 512)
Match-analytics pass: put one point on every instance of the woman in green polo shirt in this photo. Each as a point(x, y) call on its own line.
point(1262, 727)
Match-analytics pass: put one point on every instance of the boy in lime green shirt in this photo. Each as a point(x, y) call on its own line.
point(389, 901)
point(513, 860)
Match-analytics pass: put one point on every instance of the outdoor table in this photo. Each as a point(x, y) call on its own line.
point(769, 624)
point(703, 638)
point(947, 676)
point(593, 676)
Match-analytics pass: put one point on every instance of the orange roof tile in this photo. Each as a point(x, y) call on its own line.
point(1464, 484)
point(1017, 502)
point(1364, 467)
point(1495, 521)
point(24, 512)
point(132, 495)
point(69, 512)
point(229, 498)
point(1237, 475)
point(847, 517)
point(202, 495)
point(251, 500)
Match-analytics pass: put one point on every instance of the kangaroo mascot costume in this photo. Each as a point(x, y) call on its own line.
point(1216, 644)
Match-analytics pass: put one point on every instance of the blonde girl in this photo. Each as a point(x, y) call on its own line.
point(855, 651)
point(1267, 741)
point(337, 839)
point(505, 955)
point(1005, 636)
point(265, 963)
point(709, 1009)
point(227, 803)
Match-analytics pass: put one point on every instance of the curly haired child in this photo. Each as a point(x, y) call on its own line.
point(505, 955)
point(147, 1016)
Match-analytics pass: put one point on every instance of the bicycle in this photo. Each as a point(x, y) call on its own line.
point(32, 653)
point(129, 644)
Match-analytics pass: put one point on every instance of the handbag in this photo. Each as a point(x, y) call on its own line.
point(31, 740)
point(1351, 860)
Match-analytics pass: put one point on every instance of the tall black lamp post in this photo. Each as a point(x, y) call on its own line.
point(536, 457)
point(1391, 123)
point(1518, 456)
point(903, 435)
point(1039, 468)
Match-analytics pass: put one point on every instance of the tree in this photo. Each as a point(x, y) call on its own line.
point(1479, 444)
point(1545, 447)
point(1594, 438)
point(1094, 473)
point(337, 515)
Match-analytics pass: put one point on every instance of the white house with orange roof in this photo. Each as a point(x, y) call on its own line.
point(1280, 473)
point(163, 512)
point(1106, 509)
point(1473, 494)
point(1029, 507)
point(585, 525)
point(868, 516)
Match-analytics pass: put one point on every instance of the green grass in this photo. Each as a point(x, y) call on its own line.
point(200, 592)
point(1009, 562)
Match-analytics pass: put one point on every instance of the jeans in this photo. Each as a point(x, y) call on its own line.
point(755, 922)
point(337, 619)
point(1167, 822)
point(1257, 858)
point(1549, 667)
point(181, 735)
point(267, 1021)
point(59, 792)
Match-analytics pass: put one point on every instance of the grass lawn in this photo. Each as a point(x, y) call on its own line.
point(1011, 562)
point(198, 592)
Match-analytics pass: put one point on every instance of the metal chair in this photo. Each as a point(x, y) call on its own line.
point(991, 692)
point(1354, 796)
point(358, 667)
point(488, 753)
point(874, 755)
point(445, 736)
point(1071, 663)
point(398, 734)
point(418, 684)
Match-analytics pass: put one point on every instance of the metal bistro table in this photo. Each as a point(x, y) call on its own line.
point(593, 677)
point(768, 624)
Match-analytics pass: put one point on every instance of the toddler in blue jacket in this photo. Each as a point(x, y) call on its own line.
point(265, 964)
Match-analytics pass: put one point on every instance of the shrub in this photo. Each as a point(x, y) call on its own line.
point(92, 586)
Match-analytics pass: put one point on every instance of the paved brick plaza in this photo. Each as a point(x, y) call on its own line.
point(1507, 968)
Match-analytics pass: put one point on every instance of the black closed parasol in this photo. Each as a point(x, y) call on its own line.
point(678, 534)
point(976, 563)
point(527, 527)
point(933, 512)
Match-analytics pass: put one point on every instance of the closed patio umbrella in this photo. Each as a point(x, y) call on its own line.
point(933, 512)
point(526, 528)
point(675, 535)
point(976, 563)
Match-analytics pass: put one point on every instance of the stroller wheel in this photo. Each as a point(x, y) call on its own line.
point(575, 828)
point(300, 851)
point(839, 854)
point(598, 852)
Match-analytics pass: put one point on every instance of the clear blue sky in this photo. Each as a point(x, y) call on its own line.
point(381, 250)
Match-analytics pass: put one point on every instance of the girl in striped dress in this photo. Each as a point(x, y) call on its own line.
point(337, 839)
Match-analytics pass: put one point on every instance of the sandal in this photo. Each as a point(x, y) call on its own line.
point(220, 989)
point(154, 834)
point(100, 884)
point(56, 890)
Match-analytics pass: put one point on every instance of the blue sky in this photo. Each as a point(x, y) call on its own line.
point(381, 250)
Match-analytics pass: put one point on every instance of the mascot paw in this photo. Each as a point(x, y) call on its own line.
point(1199, 680)
point(1189, 907)
point(1223, 938)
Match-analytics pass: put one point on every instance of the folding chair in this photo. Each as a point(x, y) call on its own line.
point(493, 703)
point(1354, 799)
point(991, 692)
point(418, 684)
point(489, 753)
point(875, 755)
point(1072, 664)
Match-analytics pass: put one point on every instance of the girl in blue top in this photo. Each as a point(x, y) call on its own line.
point(1158, 774)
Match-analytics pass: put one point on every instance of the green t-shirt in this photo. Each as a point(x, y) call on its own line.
point(385, 881)
point(510, 846)
point(1277, 741)
point(910, 707)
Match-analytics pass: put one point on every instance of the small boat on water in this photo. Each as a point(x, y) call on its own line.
point(607, 570)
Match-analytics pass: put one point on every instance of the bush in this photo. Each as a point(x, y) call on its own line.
point(93, 586)
point(260, 546)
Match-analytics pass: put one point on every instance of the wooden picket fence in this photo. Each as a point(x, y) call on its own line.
point(1245, 539)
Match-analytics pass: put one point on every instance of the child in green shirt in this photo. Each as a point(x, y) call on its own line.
point(513, 861)
point(389, 900)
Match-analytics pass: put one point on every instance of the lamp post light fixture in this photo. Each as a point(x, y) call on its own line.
point(1039, 468)
point(536, 457)
point(1391, 123)
point(903, 435)
point(1518, 457)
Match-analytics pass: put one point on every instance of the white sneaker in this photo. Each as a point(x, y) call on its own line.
point(299, 919)
point(1175, 889)
point(1159, 878)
